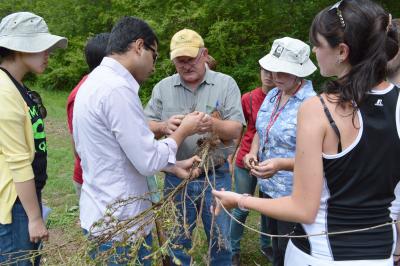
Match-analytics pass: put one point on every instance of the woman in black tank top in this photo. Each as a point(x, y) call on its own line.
point(393, 72)
point(348, 141)
point(24, 47)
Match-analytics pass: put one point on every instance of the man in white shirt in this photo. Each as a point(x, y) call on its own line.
point(111, 134)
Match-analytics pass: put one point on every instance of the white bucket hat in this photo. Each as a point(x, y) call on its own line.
point(28, 33)
point(289, 55)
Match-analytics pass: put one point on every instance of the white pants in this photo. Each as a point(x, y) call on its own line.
point(296, 257)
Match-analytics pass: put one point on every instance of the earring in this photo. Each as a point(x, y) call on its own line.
point(339, 60)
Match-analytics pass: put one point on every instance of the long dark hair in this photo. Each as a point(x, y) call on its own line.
point(365, 27)
point(394, 64)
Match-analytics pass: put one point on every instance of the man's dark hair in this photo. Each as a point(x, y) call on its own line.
point(95, 50)
point(127, 30)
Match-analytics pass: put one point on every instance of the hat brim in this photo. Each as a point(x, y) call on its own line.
point(33, 44)
point(273, 64)
point(184, 51)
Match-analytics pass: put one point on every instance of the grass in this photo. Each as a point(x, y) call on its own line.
point(59, 194)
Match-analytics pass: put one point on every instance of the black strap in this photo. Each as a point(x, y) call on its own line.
point(331, 122)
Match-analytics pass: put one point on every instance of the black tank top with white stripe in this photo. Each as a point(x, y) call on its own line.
point(359, 185)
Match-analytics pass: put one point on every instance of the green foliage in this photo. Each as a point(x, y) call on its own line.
point(237, 33)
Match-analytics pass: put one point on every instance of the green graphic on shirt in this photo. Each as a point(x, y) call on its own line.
point(43, 146)
point(39, 134)
point(38, 125)
point(33, 111)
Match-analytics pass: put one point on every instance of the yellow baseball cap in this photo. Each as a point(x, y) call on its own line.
point(186, 43)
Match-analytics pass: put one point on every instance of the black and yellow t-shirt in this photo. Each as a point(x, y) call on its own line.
point(39, 164)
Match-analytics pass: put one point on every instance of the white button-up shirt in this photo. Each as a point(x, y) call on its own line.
point(116, 147)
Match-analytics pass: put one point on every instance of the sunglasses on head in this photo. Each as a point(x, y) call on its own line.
point(35, 97)
point(339, 13)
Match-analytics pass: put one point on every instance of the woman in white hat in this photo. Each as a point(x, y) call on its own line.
point(274, 143)
point(25, 44)
point(348, 146)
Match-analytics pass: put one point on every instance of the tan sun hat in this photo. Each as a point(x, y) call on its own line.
point(289, 55)
point(28, 33)
point(186, 43)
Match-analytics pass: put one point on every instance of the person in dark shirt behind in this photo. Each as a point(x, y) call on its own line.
point(95, 50)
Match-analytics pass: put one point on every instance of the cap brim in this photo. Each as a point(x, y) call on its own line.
point(184, 51)
point(33, 44)
point(273, 64)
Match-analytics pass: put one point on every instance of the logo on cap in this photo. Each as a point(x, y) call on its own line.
point(278, 51)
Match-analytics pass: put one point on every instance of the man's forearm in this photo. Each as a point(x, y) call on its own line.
point(226, 129)
point(158, 128)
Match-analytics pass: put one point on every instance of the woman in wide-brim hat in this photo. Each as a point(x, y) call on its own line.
point(25, 43)
point(274, 143)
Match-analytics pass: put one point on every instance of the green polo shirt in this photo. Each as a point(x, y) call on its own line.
point(171, 97)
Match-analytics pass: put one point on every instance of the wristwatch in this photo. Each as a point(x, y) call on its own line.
point(241, 201)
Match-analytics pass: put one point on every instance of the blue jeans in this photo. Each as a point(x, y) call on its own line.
point(221, 254)
point(14, 239)
point(279, 244)
point(121, 254)
point(245, 183)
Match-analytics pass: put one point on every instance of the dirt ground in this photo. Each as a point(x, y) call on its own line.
point(62, 248)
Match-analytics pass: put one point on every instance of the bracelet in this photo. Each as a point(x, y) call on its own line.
point(241, 201)
point(397, 255)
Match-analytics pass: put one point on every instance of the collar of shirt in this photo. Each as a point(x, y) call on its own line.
point(303, 92)
point(300, 95)
point(208, 78)
point(120, 70)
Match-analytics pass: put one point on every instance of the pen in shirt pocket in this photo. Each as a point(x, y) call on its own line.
point(217, 106)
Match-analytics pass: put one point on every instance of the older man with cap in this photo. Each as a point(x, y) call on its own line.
point(195, 87)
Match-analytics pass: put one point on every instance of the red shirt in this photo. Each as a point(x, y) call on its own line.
point(70, 109)
point(250, 111)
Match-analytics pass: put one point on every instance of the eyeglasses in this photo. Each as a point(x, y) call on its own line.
point(339, 13)
point(35, 97)
point(153, 51)
point(191, 62)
